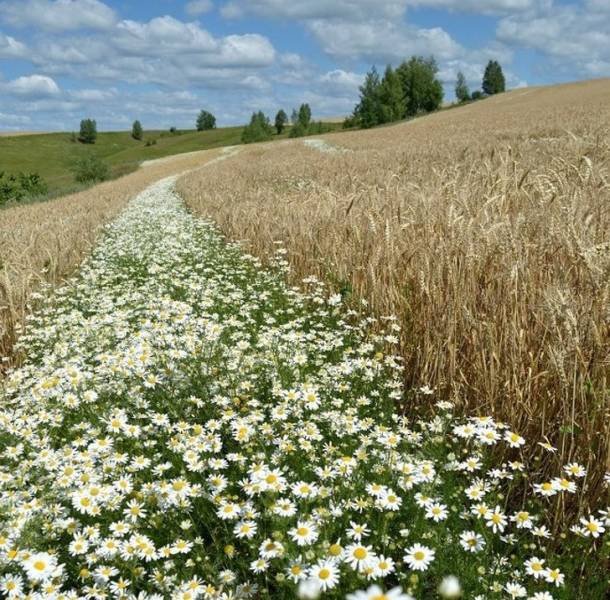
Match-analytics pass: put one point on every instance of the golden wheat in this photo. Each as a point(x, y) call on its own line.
point(485, 229)
point(44, 242)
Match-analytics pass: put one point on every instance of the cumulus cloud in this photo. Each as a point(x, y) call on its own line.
point(571, 36)
point(383, 41)
point(484, 6)
point(58, 15)
point(344, 10)
point(32, 86)
point(339, 81)
point(11, 48)
point(199, 7)
point(162, 50)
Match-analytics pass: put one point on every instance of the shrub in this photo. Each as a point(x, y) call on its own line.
point(21, 186)
point(89, 169)
point(477, 95)
point(88, 131)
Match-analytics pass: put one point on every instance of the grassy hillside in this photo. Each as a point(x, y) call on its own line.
point(53, 154)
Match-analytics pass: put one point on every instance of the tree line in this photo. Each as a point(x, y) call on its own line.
point(410, 89)
point(414, 88)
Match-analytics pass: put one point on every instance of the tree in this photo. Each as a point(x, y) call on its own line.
point(294, 117)
point(205, 121)
point(88, 131)
point(368, 110)
point(423, 92)
point(462, 93)
point(280, 121)
point(258, 130)
point(136, 131)
point(493, 79)
point(391, 98)
point(304, 116)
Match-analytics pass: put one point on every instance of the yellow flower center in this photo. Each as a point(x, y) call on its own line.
point(302, 531)
point(40, 565)
point(324, 574)
point(419, 555)
point(360, 553)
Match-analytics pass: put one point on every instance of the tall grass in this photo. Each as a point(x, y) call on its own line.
point(486, 229)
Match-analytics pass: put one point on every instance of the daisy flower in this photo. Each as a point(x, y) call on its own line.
point(419, 557)
point(358, 556)
point(304, 534)
point(40, 566)
point(471, 541)
point(325, 574)
point(376, 593)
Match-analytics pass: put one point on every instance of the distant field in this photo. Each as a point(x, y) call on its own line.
point(52, 154)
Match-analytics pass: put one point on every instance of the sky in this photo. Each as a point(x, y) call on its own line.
point(161, 61)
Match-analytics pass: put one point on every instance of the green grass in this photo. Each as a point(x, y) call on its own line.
point(52, 155)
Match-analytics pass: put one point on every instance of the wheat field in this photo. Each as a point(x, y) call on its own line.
point(42, 243)
point(485, 229)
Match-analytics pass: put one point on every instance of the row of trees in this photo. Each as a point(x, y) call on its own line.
point(410, 89)
point(413, 88)
point(493, 82)
point(88, 131)
point(260, 129)
point(403, 92)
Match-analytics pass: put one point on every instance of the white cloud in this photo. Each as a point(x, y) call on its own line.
point(58, 15)
point(574, 38)
point(341, 82)
point(484, 6)
point(343, 10)
point(32, 86)
point(11, 48)
point(94, 95)
point(199, 7)
point(383, 41)
point(163, 50)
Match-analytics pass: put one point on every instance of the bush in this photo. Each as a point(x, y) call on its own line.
point(258, 130)
point(298, 130)
point(88, 131)
point(477, 95)
point(89, 169)
point(19, 187)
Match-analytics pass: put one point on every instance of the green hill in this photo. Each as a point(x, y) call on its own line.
point(52, 155)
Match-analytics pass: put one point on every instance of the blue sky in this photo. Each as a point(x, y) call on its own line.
point(163, 60)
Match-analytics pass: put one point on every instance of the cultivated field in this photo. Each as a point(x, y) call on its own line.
point(485, 229)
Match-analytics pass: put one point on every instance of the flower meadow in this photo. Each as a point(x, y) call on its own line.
point(185, 425)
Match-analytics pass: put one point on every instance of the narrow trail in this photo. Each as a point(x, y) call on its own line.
point(187, 426)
